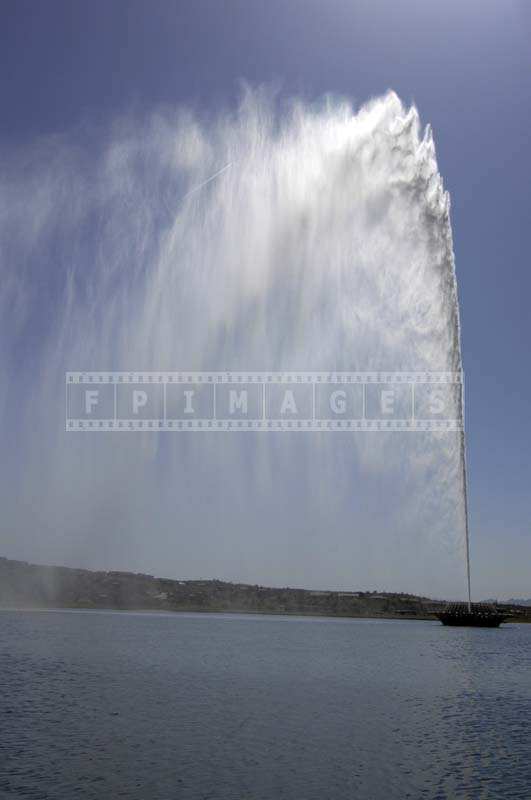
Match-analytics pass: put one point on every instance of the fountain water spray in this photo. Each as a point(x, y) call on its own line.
point(465, 504)
point(274, 237)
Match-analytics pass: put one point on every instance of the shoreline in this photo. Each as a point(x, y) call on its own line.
point(26, 586)
point(238, 612)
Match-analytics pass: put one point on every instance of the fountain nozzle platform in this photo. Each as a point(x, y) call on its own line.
point(478, 615)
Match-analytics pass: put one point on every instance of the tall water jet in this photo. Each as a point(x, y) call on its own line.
point(276, 237)
point(465, 505)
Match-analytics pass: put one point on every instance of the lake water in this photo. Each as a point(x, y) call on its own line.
point(235, 707)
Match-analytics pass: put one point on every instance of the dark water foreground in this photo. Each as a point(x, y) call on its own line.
point(161, 706)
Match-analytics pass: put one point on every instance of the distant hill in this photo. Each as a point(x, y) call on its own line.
point(518, 601)
point(24, 585)
point(514, 601)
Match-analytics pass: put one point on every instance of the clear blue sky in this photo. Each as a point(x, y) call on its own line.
point(465, 64)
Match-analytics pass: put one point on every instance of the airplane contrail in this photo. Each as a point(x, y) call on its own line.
point(204, 183)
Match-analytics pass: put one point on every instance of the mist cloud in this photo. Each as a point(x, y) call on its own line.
point(277, 236)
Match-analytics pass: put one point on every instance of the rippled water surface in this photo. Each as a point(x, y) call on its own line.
point(154, 707)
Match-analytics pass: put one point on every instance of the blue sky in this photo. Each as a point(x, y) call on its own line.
point(467, 67)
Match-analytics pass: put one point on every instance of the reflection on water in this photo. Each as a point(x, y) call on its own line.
point(105, 705)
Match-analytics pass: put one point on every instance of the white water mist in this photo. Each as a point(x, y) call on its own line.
point(304, 237)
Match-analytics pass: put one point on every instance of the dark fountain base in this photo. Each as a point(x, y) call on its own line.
point(479, 616)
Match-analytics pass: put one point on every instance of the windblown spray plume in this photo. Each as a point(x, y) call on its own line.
point(275, 237)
